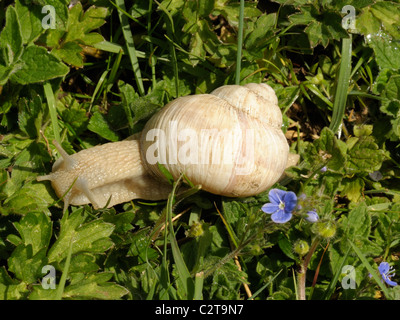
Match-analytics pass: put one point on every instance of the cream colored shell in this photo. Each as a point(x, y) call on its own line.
point(230, 142)
point(233, 146)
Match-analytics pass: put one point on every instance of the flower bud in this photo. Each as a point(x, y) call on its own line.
point(312, 216)
point(196, 230)
point(325, 229)
point(301, 247)
point(255, 250)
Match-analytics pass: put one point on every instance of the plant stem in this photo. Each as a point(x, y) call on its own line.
point(239, 43)
point(301, 274)
point(301, 282)
point(64, 275)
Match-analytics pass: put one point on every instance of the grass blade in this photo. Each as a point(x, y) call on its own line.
point(61, 286)
point(98, 88)
point(239, 43)
point(51, 101)
point(170, 32)
point(266, 285)
point(332, 284)
point(130, 45)
point(343, 81)
point(183, 272)
point(371, 270)
point(198, 286)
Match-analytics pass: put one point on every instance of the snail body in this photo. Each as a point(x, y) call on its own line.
point(107, 174)
point(229, 141)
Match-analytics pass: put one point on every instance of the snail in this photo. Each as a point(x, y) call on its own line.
point(229, 141)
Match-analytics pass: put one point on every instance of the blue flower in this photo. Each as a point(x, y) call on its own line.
point(376, 175)
point(281, 205)
point(301, 200)
point(387, 272)
point(312, 216)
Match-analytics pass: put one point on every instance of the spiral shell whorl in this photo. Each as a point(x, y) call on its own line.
point(229, 141)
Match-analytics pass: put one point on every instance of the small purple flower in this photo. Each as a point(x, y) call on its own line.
point(323, 169)
point(301, 199)
point(387, 272)
point(281, 205)
point(312, 216)
point(376, 175)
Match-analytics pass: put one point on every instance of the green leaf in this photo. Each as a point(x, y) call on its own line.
point(367, 23)
point(363, 130)
point(84, 287)
point(69, 52)
point(356, 226)
point(82, 262)
point(331, 149)
point(24, 194)
point(80, 24)
point(61, 10)
point(5, 73)
point(11, 289)
point(204, 41)
point(25, 265)
point(259, 37)
point(35, 230)
point(30, 17)
point(95, 286)
point(365, 155)
point(31, 197)
point(226, 281)
point(322, 26)
point(287, 247)
point(86, 237)
point(357, 223)
point(98, 124)
point(122, 221)
point(388, 13)
point(139, 108)
point(140, 248)
point(392, 91)
point(11, 37)
point(74, 115)
point(30, 116)
point(387, 232)
point(386, 51)
point(67, 43)
point(38, 66)
point(353, 188)
point(39, 293)
point(387, 85)
point(230, 11)
point(381, 17)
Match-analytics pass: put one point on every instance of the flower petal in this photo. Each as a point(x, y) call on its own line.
point(281, 216)
point(390, 282)
point(290, 200)
point(384, 268)
point(276, 195)
point(270, 208)
point(312, 216)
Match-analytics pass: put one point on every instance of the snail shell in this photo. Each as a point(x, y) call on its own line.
point(230, 142)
